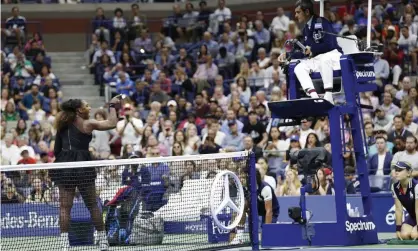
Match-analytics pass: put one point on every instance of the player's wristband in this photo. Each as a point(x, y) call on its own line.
point(398, 228)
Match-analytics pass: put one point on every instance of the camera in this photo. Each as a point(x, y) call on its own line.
point(309, 160)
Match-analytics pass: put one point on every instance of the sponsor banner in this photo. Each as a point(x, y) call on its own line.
point(359, 225)
point(42, 220)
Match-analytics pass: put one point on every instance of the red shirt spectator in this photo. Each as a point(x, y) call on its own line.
point(393, 54)
point(26, 159)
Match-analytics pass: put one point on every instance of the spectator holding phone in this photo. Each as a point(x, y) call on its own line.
point(130, 128)
point(209, 146)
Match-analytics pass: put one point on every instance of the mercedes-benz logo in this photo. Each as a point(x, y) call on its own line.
point(227, 201)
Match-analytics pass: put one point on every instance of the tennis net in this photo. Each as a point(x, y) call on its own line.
point(161, 203)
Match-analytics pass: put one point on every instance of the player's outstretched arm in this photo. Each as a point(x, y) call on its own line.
point(110, 122)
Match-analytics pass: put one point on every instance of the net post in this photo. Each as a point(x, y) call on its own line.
point(254, 224)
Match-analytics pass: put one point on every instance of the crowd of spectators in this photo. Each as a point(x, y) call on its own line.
point(202, 83)
point(30, 98)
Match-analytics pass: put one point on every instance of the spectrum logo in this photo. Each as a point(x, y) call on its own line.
point(359, 226)
point(365, 74)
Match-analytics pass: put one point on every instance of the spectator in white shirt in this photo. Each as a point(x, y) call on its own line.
point(413, 27)
point(382, 70)
point(410, 40)
point(275, 68)
point(409, 124)
point(410, 155)
point(263, 60)
point(280, 22)
point(129, 128)
point(406, 85)
point(189, 20)
point(244, 46)
point(119, 21)
point(258, 78)
point(104, 50)
point(23, 144)
point(214, 133)
point(36, 113)
point(9, 151)
point(166, 136)
point(305, 130)
point(388, 106)
point(218, 95)
point(222, 13)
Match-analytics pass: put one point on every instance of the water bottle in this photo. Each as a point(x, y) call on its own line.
point(356, 212)
point(349, 210)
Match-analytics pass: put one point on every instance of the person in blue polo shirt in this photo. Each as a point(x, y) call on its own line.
point(322, 50)
point(268, 205)
point(405, 193)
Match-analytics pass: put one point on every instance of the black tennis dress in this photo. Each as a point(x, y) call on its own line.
point(72, 145)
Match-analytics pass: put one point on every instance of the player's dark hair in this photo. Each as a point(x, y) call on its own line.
point(258, 177)
point(306, 5)
point(380, 137)
point(67, 114)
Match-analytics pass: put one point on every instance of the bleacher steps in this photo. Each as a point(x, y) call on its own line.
point(76, 90)
point(76, 81)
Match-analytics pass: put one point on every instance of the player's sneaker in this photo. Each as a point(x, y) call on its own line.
point(328, 97)
point(64, 242)
point(95, 238)
point(239, 239)
point(103, 244)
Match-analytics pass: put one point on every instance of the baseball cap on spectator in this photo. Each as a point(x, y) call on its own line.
point(402, 165)
point(133, 156)
point(327, 171)
point(391, 27)
point(127, 107)
point(231, 122)
point(35, 123)
point(191, 114)
point(20, 78)
point(294, 137)
point(210, 116)
point(171, 103)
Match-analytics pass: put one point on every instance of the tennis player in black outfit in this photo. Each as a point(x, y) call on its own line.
point(405, 193)
point(74, 133)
